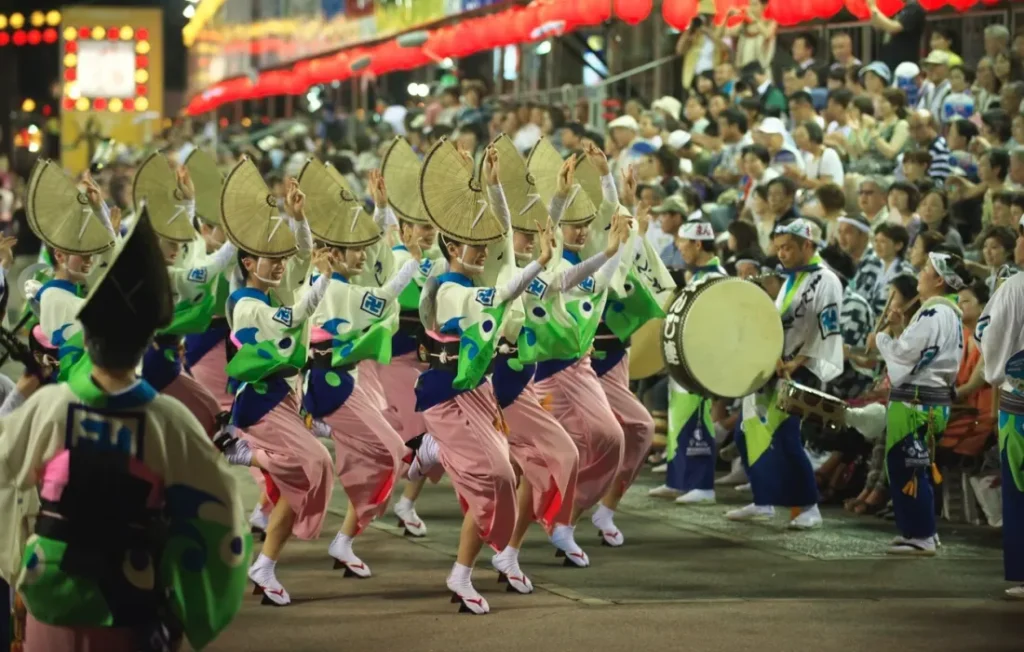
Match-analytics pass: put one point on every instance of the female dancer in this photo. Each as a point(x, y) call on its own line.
point(353, 323)
point(463, 323)
point(271, 344)
point(922, 365)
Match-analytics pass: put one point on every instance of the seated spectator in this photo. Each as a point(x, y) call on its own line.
point(925, 243)
point(822, 164)
point(915, 166)
point(743, 237)
point(782, 199)
point(903, 199)
point(670, 215)
point(934, 212)
point(891, 242)
point(872, 200)
point(971, 420)
point(997, 252)
point(889, 138)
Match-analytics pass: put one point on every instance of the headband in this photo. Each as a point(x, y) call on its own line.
point(800, 228)
point(748, 261)
point(696, 231)
point(860, 226)
point(942, 265)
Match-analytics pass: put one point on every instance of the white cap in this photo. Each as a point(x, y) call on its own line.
point(907, 70)
point(772, 126)
point(625, 122)
point(669, 105)
point(937, 57)
point(678, 139)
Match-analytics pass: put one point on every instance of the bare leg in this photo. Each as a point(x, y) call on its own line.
point(526, 515)
point(614, 495)
point(413, 488)
point(470, 542)
point(348, 527)
point(282, 517)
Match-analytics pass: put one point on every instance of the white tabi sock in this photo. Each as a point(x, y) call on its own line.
point(404, 503)
point(461, 576)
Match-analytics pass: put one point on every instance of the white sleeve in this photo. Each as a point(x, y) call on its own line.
point(384, 217)
point(500, 205)
point(603, 276)
point(608, 191)
point(557, 208)
point(12, 402)
point(518, 283)
point(309, 301)
point(220, 259)
point(574, 275)
point(303, 236)
point(190, 208)
point(824, 342)
point(902, 355)
point(105, 219)
point(831, 166)
point(998, 330)
point(394, 287)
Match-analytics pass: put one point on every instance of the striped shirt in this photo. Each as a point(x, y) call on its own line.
point(941, 166)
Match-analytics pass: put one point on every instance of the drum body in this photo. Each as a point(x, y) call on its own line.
point(645, 358)
point(722, 337)
point(811, 405)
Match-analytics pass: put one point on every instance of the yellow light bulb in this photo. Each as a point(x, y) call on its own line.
point(142, 47)
point(37, 19)
point(127, 33)
point(141, 76)
point(115, 105)
point(70, 60)
point(53, 18)
point(3, 21)
point(98, 33)
point(28, 106)
point(70, 33)
point(17, 21)
point(82, 104)
point(141, 104)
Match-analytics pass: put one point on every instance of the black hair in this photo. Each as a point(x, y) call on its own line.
point(1003, 234)
point(760, 151)
point(707, 246)
point(802, 97)
point(865, 105)
point(837, 74)
point(841, 96)
point(735, 117)
point(761, 190)
point(668, 160)
point(919, 156)
point(931, 240)
point(840, 262)
point(912, 191)
point(831, 197)
point(752, 69)
point(787, 184)
point(814, 131)
point(115, 351)
point(751, 104)
point(968, 73)
point(979, 288)
point(810, 40)
point(1000, 122)
point(745, 234)
point(906, 285)
point(967, 129)
point(898, 234)
point(999, 158)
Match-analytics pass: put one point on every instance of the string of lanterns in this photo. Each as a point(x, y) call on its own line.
point(520, 24)
point(39, 28)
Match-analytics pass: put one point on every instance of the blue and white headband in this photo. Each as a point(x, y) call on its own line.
point(943, 265)
point(800, 228)
point(857, 224)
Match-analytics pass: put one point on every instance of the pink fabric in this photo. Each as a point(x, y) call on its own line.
point(368, 454)
point(298, 463)
point(476, 456)
point(57, 472)
point(398, 381)
point(637, 423)
point(579, 404)
point(317, 335)
point(211, 374)
point(547, 456)
point(369, 378)
point(40, 637)
point(37, 332)
point(199, 401)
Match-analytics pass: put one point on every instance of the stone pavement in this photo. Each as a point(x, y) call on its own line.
point(686, 579)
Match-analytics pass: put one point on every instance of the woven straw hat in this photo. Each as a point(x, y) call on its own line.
point(453, 198)
point(401, 169)
point(544, 163)
point(156, 186)
point(334, 213)
point(589, 178)
point(524, 201)
point(60, 214)
point(208, 181)
point(250, 216)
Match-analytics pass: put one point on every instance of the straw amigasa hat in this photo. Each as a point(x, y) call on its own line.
point(589, 178)
point(156, 187)
point(333, 211)
point(208, 181)
point(60, 214)
point(401, 169)
point(544, 163)
point(524, 200)
point(453, 198)
point(250, 216)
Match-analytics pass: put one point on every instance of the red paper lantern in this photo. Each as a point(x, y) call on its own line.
point(35, 37)
point(142, 34)
point(49, 35)
point(99, 104)
point(679, 13)
point(633, 12)
point(962, 5)
point(128, 104)
point(69, 104)
point(19, 38)
point(595, 11)
point(5, 38)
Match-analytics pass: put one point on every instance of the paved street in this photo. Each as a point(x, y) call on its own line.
point(685, 580)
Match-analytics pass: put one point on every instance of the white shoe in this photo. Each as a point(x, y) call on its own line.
point(738, 475)
point(751, 512)
point(262, 575)
point(1016, 592)
point(664, 491)
point(697, 497)
point(661, 468)
point(806, 520)
point(320, 429)
point(426, 458)
point(466, 596)
point(506, 563)
point(563, 538)
point(914, 548)
point(744, 488)
point(603, 521)
point(258, 520)
point(341, 550)
point(414, 526)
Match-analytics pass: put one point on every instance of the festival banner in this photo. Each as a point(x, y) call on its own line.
point(400, 15)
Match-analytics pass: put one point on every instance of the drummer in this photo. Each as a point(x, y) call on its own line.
point(690, 476)
point(772, 447)
point(922, 364)
point(1001, 333)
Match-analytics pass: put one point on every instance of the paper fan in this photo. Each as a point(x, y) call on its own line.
point(589, 178)
point(250, 216)
point(401, 169)
point(156, 186)
point(208, 181)
point(453, 199)
point(544, 163)
point(521, 193)
point(334, 213)
point(61, 215)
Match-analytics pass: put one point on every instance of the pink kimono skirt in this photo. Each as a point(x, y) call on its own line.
point(368, 453)
point(198, 399)
point(547, 456)
point(398, 380)
point(299, 465)
point(637, 423)
point(475, 453)
point(211, 373)
point(579, 404)
point(40, 637)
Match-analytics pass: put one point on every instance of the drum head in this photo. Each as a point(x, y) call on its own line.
point(731, 337)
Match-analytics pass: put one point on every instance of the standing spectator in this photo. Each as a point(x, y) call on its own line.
point(804, 49)
point(924, 131)
point(755, 36)
point(941, 39)
point(903, 32)
point(937, 88)
point(801, 109)
point(702, 48)
point(986, 86)
point(997, 39)
point(842, 52)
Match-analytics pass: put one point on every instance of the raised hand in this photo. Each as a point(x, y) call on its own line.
point(322, 260)
point(643, 217)
point(185, 185)
point(598, 158)
point(548, 243)
point(566, 176)
point(92, 190)
point(378, 191)
point(629, 184)
point(491, 165)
